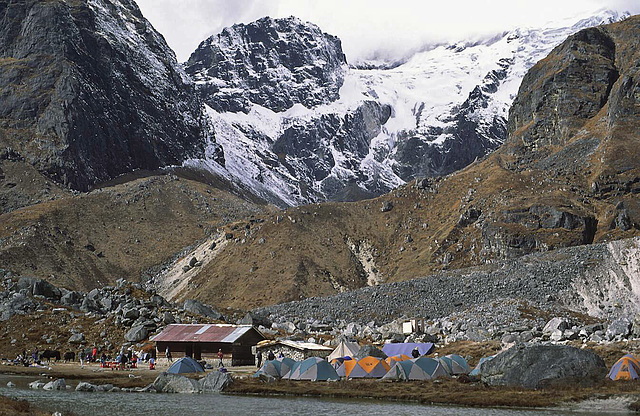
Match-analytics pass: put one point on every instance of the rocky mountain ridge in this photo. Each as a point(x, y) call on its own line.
point(373, 129)
point(566, 176)
point(91, 91)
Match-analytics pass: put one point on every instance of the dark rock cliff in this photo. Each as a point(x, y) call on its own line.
point(90, 90)
point(275, 63)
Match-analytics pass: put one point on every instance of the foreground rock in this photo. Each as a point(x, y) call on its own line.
point(215, 382)
point(172, 383)
point(540, 366)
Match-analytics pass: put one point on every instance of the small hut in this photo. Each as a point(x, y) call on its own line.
point(202, 342)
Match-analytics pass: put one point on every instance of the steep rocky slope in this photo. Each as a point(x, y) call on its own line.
point(298, 126)
point(122, 231)
point(90, 91)
point(566, 176)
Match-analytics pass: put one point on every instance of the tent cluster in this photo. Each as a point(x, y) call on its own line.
point(342, 363)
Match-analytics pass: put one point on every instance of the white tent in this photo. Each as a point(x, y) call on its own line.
point(344, 349)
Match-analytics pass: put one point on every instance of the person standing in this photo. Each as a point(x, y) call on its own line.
point(220, 357)
point(167, 354)
point(415, 353)
point(259, 357)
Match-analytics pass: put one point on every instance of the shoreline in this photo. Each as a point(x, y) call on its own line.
point(445, 392)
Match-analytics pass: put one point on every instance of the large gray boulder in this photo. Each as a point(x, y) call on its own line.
point(370, 350)
point(556, 324)
point(539, 366)
point(619, 328)
point(86, 387)
point(137, 333)
point(173, 383)
point(215, 382)
point(198, 308)
point(58, 384)
point(76, 338)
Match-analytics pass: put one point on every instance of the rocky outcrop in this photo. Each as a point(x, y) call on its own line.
point(174, 383)
point(215, 382)
point(275, 63)
point(91, 91)
point(195, 307)
point(544, 366)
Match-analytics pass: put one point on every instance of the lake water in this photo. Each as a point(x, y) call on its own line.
point(149, 404)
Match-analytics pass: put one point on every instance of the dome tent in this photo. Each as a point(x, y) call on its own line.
point(455, 364)
point(423, 368)
point(185, 365)
point(276, 368)
point(395, 358)
point(314, 369)
point(367, 367)
point(626, 368)
point(344, 349)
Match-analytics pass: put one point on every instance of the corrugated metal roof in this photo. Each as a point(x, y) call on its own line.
point(202, 333)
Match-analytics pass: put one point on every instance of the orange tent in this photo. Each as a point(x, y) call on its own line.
point(394, 359)
point(367, 367)
point(626, 368)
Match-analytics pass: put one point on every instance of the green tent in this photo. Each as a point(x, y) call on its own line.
point(185, 365)
point(455, 364)
point(314, 369)
point(423, 368)
point(276, 368)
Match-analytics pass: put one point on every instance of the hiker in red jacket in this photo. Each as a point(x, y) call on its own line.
point(220, 356)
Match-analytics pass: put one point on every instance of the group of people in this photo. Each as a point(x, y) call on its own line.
point(27, 359)
point(270, 356)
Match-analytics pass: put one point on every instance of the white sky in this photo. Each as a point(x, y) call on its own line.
point(366, 27)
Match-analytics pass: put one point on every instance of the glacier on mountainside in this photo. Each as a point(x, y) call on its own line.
point(432, 115)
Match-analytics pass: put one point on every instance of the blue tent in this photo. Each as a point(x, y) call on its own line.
point(406, 348)
point(314, 369)
point(423, 368)
point(276, 368)
point(478, 370)
point(185, 365)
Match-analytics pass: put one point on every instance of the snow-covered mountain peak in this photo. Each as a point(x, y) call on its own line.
point(377, 125)
point(274, 63)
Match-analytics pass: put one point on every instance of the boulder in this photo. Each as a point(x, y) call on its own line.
point(11, 384)
point(46, 289)
point(173, 383)
point(76, 338)
point(131, 313)
point(38, 384)
point(86, 387)
point(167, 318)
point(556, 324)
point(618, 328)
point(539, 366)
point(136, 334)
point(215, 382)
point(370, 350)
point(71, 299)
point(58, 384)
point(195, 307)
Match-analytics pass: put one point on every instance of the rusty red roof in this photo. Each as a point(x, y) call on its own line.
point(202, 333)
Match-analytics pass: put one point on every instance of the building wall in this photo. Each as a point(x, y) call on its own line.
point(234, 355)
point(290, 352)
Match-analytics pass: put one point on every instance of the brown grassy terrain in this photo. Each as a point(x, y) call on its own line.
point(450, 392)
point(11, 407)
point(91, 240)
